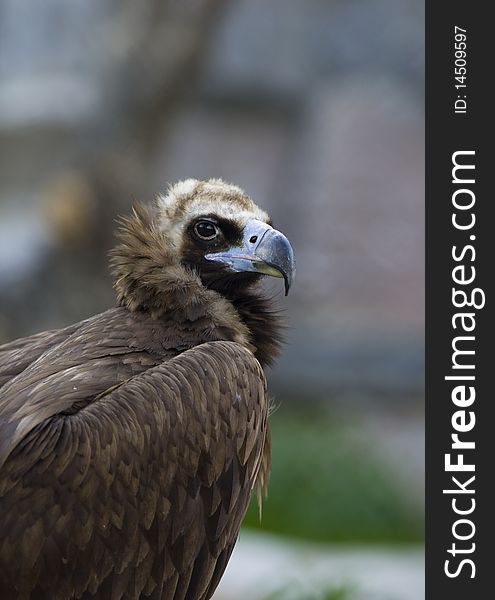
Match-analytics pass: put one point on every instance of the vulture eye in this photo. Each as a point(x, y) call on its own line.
point(206, 230)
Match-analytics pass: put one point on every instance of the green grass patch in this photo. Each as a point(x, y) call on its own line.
point(291, 592)
point(327, 485)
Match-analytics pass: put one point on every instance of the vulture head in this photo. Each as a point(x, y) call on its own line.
point(202, 236)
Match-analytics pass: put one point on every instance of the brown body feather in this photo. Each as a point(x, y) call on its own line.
point(130, 443)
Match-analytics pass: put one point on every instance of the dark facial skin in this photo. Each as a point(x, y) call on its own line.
point(214, 275)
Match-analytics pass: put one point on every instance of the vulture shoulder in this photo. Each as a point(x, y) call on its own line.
point(130, 484)
point(17, 355)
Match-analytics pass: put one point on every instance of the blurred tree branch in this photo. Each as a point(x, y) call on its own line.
point(87, 88)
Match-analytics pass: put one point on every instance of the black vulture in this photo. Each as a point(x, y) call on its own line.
point(130, 443)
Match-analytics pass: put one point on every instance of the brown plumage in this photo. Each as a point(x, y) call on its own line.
point(130, 442)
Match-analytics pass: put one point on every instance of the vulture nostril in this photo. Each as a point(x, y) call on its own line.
point(253, 239)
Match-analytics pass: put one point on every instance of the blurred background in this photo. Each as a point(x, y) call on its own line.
point(315, 108)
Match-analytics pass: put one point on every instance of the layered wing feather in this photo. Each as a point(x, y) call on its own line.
point(130, 488)
point(17, 355)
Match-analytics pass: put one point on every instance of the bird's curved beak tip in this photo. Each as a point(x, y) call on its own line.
point(269, 254)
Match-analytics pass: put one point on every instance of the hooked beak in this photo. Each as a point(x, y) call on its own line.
point(263, 250)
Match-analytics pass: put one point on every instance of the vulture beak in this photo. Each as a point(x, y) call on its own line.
point(263, 250)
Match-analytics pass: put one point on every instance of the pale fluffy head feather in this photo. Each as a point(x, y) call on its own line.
point(191, 198)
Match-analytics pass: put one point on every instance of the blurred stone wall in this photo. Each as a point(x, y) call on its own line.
point(314, 107)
